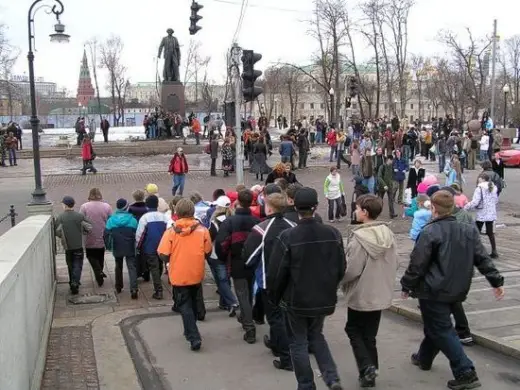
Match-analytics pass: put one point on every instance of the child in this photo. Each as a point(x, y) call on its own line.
point(170, 214)
point(185, 248)
point(70, 227)
point(410, 211)
point(120, 238)
point(368, 283)
point(461, 200)
point(359, 190)
point(88, 156)
point(421, 217)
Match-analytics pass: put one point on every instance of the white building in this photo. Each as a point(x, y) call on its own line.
point(43, 88)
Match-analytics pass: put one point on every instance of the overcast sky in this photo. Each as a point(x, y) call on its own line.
point(274, 28)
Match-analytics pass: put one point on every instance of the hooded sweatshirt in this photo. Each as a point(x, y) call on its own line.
point(371, 267)
point(120, 234)
point(420, 218)
point(186, 246)
point(333, 187)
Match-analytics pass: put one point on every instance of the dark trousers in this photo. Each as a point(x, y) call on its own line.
point(200, 306)
point(277, 329)
point(88, 165)
point(461, 321)
point(244, 292)
point(304, 332)
point(213, 166)
point(74, 259)
point(489, 233)
point(132, 272)
point(302, 158)
point(153, 263)
point(96, 258)
point(186, 301)
point(390, 197)
point(362, 328)
point(105, 135)
point(197, 138)
point(440, 336)
point(259, 310)
point(339, 206)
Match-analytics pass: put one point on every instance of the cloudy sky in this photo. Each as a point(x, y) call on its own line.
point(274, 28)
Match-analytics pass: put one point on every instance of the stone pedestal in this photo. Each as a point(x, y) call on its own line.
point(172, 97)
point(45, 209)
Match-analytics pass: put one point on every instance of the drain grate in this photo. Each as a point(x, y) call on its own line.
point(90, 299)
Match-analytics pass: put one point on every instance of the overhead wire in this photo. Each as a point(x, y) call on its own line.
point(240, 19)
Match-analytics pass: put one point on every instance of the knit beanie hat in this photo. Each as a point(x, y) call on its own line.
point(432, 190)
point(122, 204)
point(152, 202)
point(422, 188)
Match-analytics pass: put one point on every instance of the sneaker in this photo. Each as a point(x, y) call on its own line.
point(331, 221)
point(336, 386)
point(468, 380)
point(250, 336)
point(278, 365)
point(104, 275)
point(363, 382)
point(157, 295)
point(195, 345)
point(468, 341)
point(233, 311)
point(134, 294)
point(417, 362)
point(368, 378)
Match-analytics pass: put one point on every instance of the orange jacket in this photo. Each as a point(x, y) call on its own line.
point(195, 125)
point(186, 243)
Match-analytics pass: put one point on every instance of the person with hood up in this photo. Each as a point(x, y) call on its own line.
point(120, 239)
point(334, 190)
point(153, 189)
point(368, 284)
point(184, 248)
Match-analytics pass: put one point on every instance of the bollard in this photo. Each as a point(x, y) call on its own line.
point(12, 214)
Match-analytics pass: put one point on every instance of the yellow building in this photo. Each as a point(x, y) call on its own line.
point(6, 108)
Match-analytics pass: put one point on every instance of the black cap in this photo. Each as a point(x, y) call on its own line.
point(449, 189)
point(68, 201)
point(306, 199)
point(272, 189)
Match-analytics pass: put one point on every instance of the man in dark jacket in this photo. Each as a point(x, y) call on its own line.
point(439, 275)
point(213, 151)
point(120, 238)
point(303, 147)
point(400, 168)
point(229, 243)
point(257, 251)
point(290, 211)
point(385, 183)
point(306, 266)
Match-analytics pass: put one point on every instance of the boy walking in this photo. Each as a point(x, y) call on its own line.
point(120, 238)
point(70, 226)
point(368, 283)
point(184, 247)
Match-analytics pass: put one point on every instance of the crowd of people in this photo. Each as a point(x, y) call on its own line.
point(10, 142)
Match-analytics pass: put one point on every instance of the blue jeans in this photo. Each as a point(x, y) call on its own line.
point(355, 169)
point(74, 259)
point(153, 131)
point(302, 332)
point(483, 155)
point(12, 156)
point(319, 139)
point(178, 184)
point(440, 336)
point(333, 153)
point(442, 162)
point(219, 271)
point(406, 152)
point(369, 183)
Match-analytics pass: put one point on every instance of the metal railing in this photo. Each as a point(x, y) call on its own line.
point(11, 214)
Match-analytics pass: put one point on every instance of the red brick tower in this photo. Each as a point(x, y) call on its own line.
point(86, 91)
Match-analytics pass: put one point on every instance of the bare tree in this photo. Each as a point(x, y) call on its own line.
point(417, 66)
point(92, 45)
point(111, 51)
point(8, 56)
point(512, 59)
point(272, 83)
point(195, 64)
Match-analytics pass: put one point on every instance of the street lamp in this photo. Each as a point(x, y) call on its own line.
point(39, 195)
point(506, 91)
point(331, 93)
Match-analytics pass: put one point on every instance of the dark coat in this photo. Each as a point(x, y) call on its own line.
point(138, 209)
point(414, 178)
point(259, 164)
point(442, 261)
point(213, 148)
point(498, 167)
point(292, 215)
point(306, 265)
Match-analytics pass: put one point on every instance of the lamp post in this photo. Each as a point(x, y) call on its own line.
point(331, 93)
point(39, 194)
point(506, 91)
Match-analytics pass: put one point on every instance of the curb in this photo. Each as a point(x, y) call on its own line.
point(481, 338)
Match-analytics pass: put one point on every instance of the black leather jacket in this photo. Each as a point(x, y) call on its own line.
point(442, 261)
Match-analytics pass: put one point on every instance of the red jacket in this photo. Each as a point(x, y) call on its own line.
point(195, 125)
point(86, 151)
point(178, 165)
point(331, 138)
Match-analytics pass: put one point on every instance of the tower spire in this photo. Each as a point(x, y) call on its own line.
point(85, 89)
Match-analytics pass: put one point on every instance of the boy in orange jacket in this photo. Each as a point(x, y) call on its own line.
point(184, 247)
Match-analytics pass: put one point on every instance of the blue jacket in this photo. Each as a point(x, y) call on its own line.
point(400, 168)
point(150, 230)
point(209, 213)
point(120, 234)
point(286, 149)
point(420, 219)
point(410, 211)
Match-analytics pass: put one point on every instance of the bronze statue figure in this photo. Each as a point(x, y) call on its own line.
point(172, 57)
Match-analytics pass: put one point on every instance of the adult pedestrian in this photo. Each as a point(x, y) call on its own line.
point(178, 169)
point(472, 153)
point(196, 128)
point(213, 153)
point(303, 148)
point(385, 182)
point(415, 177)
point(367, 170)
point(105, 127)
point(485, 200)
point(498, 165)
point(306, 265)
point(334, 191)
point(400, 166)
point(439, 275)
point(97, 212)
point(368, 283)
point(259, 164)
point(497, 141)
point(88, 156)
point(441, 150)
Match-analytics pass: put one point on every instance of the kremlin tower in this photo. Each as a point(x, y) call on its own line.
point(86, 91)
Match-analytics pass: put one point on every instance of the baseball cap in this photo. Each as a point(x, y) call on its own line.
point(152, 189)
point(122, 204)
point(306, 198)
point(68, 201)
point(223, 201)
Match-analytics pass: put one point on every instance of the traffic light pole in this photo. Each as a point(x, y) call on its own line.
point(235, 55)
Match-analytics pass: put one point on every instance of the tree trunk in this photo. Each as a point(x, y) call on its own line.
point(337, 87)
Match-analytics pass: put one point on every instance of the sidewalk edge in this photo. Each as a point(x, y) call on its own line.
point(481, 338)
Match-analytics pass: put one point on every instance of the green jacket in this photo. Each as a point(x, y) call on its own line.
point(385, 176)
point(463, 216)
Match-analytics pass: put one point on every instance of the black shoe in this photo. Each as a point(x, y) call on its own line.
point(100, 281)
point(201, 317)
point(366, 383)
point(157, 295)
point(103, 275)
point(267, 342)
point(393, 216)
point(250, 336)
point(494, 255)
point(175, 309)
point(195, 345)
point(336, 386)
point(278, 365)
point(134, 294)
point(417, 362)
point(232, 311)
point(368, 378)
point(146, 277)
point(468, 380)
point(74, 289)
point(118, 290)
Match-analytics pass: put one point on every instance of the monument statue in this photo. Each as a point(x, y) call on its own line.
point(172, 57)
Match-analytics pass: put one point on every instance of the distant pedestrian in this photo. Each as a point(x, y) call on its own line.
point(213, 151)
point(70, 227)
point(11, 144)
point(105, 126)
point(178, 169)
point(88, 156)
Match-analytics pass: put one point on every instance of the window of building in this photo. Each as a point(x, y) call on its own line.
point(411, 106)
point(322, 106)
point(411, 117)
point(312, 106)
point(302, 106)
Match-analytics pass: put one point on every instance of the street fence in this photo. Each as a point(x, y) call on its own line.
point(11, 214)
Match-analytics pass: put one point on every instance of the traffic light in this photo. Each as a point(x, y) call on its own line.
point(250, 75)
point(353, 86)
point(195, 17)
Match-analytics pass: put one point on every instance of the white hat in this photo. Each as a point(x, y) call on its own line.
point(223, 201)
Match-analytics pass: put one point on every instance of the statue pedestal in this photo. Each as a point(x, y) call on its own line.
point(172, 97)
